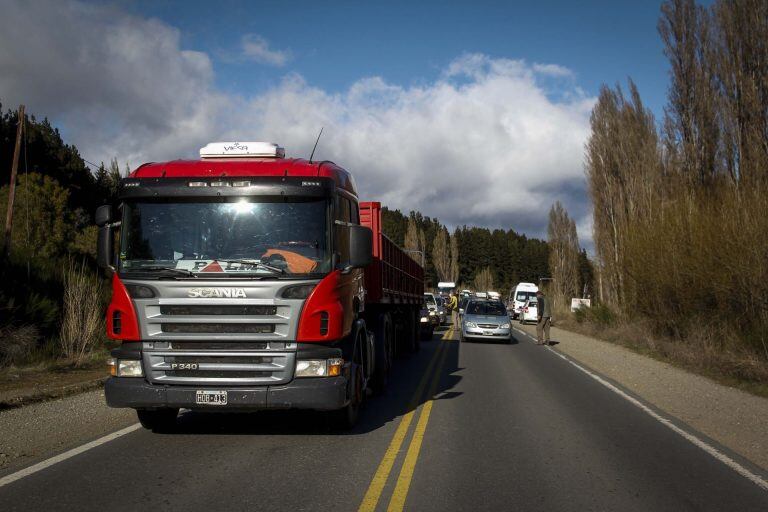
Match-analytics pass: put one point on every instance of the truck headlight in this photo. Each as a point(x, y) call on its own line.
point(129, 368)
point(319, 367)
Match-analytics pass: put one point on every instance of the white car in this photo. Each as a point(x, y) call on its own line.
point(529, 312)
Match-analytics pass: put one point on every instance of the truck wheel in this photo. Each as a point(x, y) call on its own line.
point(413, 329)
point(383, 355)
point(158, 420)
point(346, 417)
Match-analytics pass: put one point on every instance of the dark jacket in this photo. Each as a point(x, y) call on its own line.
point(544, 307)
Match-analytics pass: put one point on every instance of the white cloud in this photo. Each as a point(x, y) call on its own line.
point(552, 70)
point(257, 49)
point(483, 144)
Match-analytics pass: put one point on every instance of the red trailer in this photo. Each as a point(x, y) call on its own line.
point(394, 292)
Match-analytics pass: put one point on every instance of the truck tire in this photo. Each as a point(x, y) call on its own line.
point(346, 417)
point(158, 420)
point(410, 335)
point(383, 353)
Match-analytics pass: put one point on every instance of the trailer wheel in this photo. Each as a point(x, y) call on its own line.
point(411, 332)
point(384, 353)
point(158, 420)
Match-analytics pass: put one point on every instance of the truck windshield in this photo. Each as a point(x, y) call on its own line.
point(239, 237)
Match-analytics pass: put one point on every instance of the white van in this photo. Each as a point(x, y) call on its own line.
point(519, 294)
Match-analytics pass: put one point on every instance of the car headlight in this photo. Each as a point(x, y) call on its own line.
point(424, 320)
point(125, 367)
point(471, 324)
point(504, 326)
point(319, 367)
point(432, 313)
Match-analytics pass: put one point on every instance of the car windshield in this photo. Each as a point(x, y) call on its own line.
point(430, 299)
point(486, 308)
point(237, 237)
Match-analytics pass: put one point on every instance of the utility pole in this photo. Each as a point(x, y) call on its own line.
point(12, 189)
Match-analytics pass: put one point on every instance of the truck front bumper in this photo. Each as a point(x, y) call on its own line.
point(321, 393)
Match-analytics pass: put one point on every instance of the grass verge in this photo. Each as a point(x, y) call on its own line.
point(709, 351)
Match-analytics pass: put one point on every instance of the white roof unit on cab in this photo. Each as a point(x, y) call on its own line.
point(242, 150)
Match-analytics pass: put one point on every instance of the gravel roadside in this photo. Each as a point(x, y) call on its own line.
point(40, 430)
point(735, 419)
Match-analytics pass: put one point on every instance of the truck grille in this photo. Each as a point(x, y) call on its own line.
point(212, 309)
point(178, 320)
point(225, 345)
point(219, 368)
point(195, 328)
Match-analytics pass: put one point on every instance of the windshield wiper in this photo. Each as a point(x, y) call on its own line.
point(254, 263)
point(182, 271)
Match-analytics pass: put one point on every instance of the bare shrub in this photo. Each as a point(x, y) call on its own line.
point(82, 320)
point(17, 344)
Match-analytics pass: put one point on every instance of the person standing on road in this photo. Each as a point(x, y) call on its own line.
point(454, 307)
point(544, 310)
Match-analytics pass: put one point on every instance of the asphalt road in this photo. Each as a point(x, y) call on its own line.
point(506, 427)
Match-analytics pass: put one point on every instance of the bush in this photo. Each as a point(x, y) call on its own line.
point(599, 314)
point(17, 344)
point(82, 319)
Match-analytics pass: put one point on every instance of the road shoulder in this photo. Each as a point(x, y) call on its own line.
point(35, 431)
point(731, 417)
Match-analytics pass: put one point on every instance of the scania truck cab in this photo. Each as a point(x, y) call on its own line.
point(237, 284)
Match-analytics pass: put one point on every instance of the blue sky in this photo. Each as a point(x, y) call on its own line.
point(333, 44)
point(474, 113)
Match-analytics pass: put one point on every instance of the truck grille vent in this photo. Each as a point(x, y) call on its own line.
point(226, 345)
point(323, 323)
point(218, 328)
point(117, 326)
point(219, 359)
point(222, 368)
point(218, 374)
point(206, 309)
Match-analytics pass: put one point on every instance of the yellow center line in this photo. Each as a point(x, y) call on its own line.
point(372, 495)
point(400, 493)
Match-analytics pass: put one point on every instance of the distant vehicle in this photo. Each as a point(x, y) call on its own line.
point(445, 287)
point(517, 297)
point(494, 295)
point(431, 301)
point(529, 312)
point(486, 319)
point(427, 322)
point(481, 295)
point(463, 304)
point(442, 309)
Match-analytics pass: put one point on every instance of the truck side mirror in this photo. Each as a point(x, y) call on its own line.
point(360, 246)
point(104, 241)
point(103, 215)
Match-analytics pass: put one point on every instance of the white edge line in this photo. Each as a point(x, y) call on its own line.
point(714, 452)
point(66, 455)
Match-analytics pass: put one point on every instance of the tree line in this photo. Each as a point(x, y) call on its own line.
point(473, 257)
point(50, 275)
point(680, 230)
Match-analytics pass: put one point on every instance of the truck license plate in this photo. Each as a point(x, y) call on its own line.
point(203, 397)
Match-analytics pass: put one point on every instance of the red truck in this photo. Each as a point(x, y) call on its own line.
point(245, 281)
